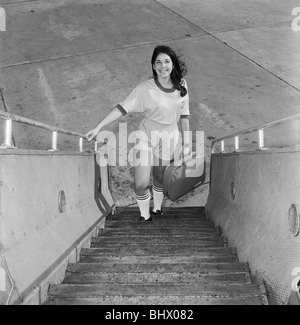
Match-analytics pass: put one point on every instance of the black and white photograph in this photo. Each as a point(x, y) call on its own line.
point(149, 155)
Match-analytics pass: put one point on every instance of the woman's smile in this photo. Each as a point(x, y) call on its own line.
point(163, 65)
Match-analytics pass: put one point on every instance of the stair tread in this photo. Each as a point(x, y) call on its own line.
point(152, 246)
point(159, 225)
point(179, 236)
point(200, 268)
point(154, 278)
point(129, 240)
point(159, 300)
point(171, 217)
point(159, 259)
point(132, 218)
point(159, 250)
point(156, 231)
point(191, 209)
point(177, 215)
point(223, 289)
point(159, 277)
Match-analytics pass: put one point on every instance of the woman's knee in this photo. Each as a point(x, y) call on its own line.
point(141, 179)
point(158, 175)
point(141, 185)
point(158, 179)
point(141, 188)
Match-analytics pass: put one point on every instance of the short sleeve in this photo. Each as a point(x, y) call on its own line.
point(133, 102)
point(185, 112)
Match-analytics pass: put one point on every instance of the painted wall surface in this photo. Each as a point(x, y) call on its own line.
point(256, 221)
point(34, 235)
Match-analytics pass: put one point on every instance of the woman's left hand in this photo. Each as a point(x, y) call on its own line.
point(186, 151)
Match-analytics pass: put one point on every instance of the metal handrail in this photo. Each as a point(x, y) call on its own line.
point(9, 117)
point(260, 129)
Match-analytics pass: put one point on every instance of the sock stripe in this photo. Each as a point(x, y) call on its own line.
point(143, 197)
point(158, 197)
point(157, 189)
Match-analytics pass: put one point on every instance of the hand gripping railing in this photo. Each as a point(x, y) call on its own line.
point(260, 134)
point(9, 143)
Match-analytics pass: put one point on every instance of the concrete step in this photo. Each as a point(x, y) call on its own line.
point(175, 216)
point(153, 235)
point(161, 231)
point(182, 249)
point(170, 213)
point(160, 250)
point(133, 266)
point(137, 290)
point(157, 222)
point(82, 273)
point(186, 210)
point(159, 300)
point(118, 241)
point(152, 246)
point(109, 277)
point(153, 227)
point(171, 259)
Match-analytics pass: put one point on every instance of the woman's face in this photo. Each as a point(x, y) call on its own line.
point(163, 65)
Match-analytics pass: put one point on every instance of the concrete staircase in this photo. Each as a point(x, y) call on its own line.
point(178, 258)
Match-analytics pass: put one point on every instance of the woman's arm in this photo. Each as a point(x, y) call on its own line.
point(111, 117)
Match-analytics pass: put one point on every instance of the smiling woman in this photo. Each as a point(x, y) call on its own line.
point(164, 100)
point(168, 69)
point(163, 67)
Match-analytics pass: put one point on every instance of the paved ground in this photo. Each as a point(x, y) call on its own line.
point(68, 62)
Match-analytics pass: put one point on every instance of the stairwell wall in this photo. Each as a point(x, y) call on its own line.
point(37, 240)
point(249, 198)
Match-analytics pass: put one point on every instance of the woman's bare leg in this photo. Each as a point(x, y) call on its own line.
point(158, 176)
point(142, 170)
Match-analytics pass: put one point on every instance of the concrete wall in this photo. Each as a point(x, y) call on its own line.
point(256, 221)
point(36, 240)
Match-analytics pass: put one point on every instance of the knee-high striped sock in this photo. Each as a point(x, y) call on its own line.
point(158, 197)
point(143, 202)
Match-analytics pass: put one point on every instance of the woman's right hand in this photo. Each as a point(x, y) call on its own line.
point(92, 134)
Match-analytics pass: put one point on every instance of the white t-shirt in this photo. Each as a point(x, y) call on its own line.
point(159, 104)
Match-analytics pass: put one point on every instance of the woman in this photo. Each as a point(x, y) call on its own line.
point(164, 100)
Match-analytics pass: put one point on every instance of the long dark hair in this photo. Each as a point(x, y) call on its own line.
point(177, 73)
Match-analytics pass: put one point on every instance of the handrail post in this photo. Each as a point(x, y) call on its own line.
point(236, 144)
point(81, 144)
point(222, 146)
point(261, 140)
point(8, 142)
point(54, 141)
